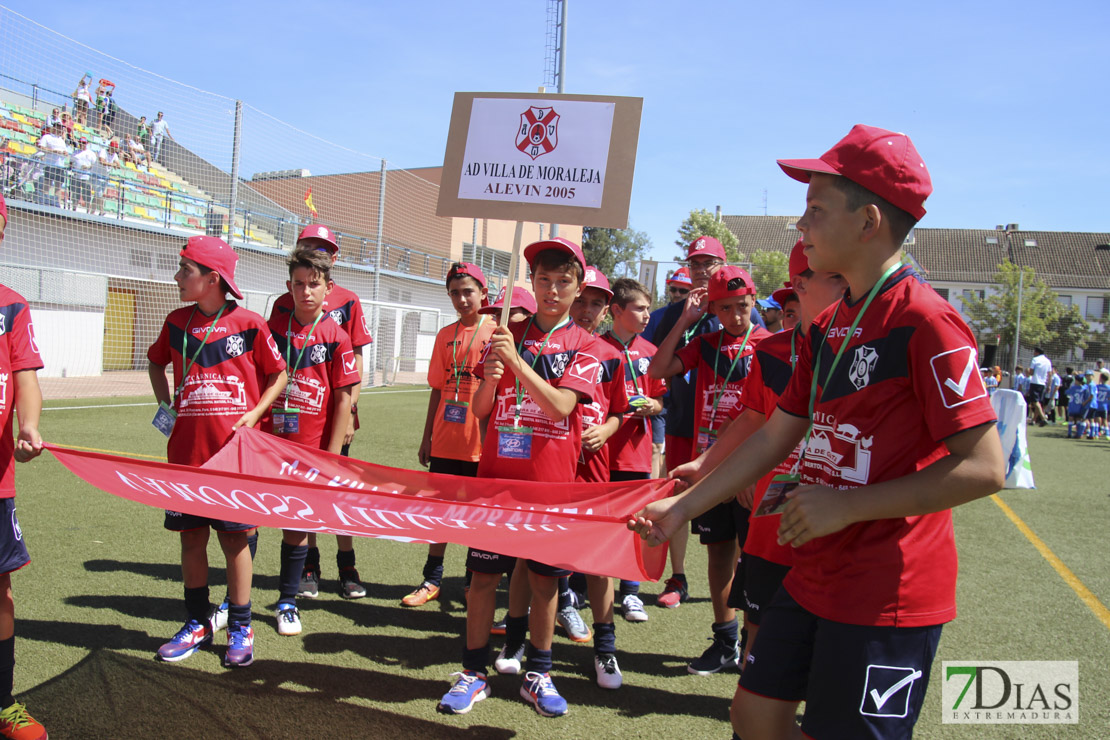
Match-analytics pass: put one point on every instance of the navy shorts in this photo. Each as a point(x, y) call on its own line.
point(483, 561)
point(450, 466)
point(857, 681)
point(13, 550)
point(762, 579)
point(178, 522)
point(727, 521)
point(1099, 414)
point(658, 427)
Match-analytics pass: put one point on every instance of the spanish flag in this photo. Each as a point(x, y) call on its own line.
point(308, 202)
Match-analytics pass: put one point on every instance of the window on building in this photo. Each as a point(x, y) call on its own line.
point(1030, 242)
point(1065, 300)
point(970, 295)
point(492, 261)
point(992, 240)
point(942, 292)
point(1096, 307)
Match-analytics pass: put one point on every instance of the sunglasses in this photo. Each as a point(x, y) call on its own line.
point(678, 291)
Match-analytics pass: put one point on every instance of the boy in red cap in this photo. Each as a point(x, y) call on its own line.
point(452, 441)
point(522, 306)
point(722, 361)
point(227, 372)
point(898, 429)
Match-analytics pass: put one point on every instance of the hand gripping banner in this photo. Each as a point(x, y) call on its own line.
point(259, 479)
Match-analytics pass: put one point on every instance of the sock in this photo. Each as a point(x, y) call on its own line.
point(605, 637)
point(726, 631)
point(196, 603)
point(433, 570)
point(516, 630)
point(629, 588)
point(252, 544)
point(578, 585)
point(292, 565)
point(564, 593)
point(345, 559)
point(7, 672)
point(681, 578)
point(239, 614)
point(538, 660)
point(312, 560)
point(469, 575)
point(476, 660)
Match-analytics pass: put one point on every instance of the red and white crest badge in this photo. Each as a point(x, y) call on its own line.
point(539, 131)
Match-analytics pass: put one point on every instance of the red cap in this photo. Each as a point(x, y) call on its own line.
point(214, 253)
point(719, 283)
point(706, 246)
point(884, 162)
point(799, 263)
point(681, 276)
point(465, 268)
point(784, 294)
point(521, 299)
point(4, 210)
point(319, 235)
point(114, 145)
point(595, 278)
point(563, 245)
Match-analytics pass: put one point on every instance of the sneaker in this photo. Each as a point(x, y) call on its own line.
point(674, 593)
point(349, 585)
point(633, 609)
point(574, 625)
point(421, 596)
point(219, 617)
point(717, 656)
point(15, 723)
point(499, 627)
point(240, 646)
point(470, 687)
point(509, 662)
point(541, 692)
point(186, 642)
point(288, 620)
point(310, 584)
point(608, 672)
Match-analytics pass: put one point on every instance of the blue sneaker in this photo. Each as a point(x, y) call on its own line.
point(186, 642)
point(240, 646)
point(539, 689)
point(470, 687)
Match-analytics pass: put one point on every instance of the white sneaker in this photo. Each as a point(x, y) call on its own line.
point(608, 672)
point(509, 663)
point(219, 617)
point(288, 620)
point(632, 607)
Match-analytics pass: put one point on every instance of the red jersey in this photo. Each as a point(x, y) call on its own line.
point(315, 368)
point(593, 467)
point(630, 447)
point(224, 382)
point(344, 308)
point(18, 351)
point(907, 380)
point(568, 359)
point(457, 353)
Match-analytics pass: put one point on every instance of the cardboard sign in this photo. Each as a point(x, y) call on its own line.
point(548, 158)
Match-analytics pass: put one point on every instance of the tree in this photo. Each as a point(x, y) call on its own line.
point(701, 222)
point(616, 252)
point(769, 270)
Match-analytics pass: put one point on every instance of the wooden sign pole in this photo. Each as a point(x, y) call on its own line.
point(514, 261)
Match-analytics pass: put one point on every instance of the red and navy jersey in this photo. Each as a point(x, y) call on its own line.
point(18, 352)
point(630, 447)
point(681, 405)
point(712, 356)
point(325, 365)
point(225, 382)
point(593, 467)
point(344, 308)
point(908, 379)
point(568, 360)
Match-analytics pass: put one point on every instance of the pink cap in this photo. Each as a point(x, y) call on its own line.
point(884, 162)
point(705, 246)
point(721, 285)
point(681, 276)
point(521, 299)
point(595, 278)
point(319, 235)
point(214, 253)
point(564, 245)
point(799, 263)
point(465, 268)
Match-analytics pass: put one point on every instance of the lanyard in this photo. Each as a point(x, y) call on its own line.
point(300, 355)
point(455, 352)
point(535, 359)
point(724, 382)
point(628, 359)
point(184, 343)
point(793, 352)
point(686, 335)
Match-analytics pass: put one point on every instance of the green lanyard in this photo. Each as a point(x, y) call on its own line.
point(628, 359)
point(716, 359)
point(184, 345)
point(689, 333)
point(300, 355)
point(455, 351)
point(535, 359)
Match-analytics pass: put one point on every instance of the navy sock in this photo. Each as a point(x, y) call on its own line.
point(578, 583)
point(312, 560)
point(292, 565)
point(726, 631)
point(196, 603)
point(538, 660)
point(630, 587)
point(345, 559)
point(605, 637)
point(476, 660)
point(7, 671)
point(516, 630)
point(433, 570)
point(252, 544)
point(564, 593)
point(239, 614)
point(681, 577)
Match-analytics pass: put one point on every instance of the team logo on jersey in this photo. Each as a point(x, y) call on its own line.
point(350, 364)
point(318, 354)
point(642, 364)
point(957, 376)
point(235, 345)
point(336, 316)
point(4, 391)
point(840, 448)
point(862, 364)
point(211, 394)
point(559, 364)
point(539, 131)
point(306, 393)
point(3, 323)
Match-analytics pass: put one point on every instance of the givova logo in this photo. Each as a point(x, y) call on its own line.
point(1010, 692)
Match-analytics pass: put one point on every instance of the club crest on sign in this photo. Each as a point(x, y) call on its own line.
point(538, 133)
point(862, 364)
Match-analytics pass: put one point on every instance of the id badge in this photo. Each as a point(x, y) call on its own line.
point(706, 438)
point(164, 419)
point(774, 500)
point(455, 412)
point(514, 443)
point(292, 421)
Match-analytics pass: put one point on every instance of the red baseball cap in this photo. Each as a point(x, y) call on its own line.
point(884, 162)
point(784, 294)
point(215, 254)
point(595, 278)
point(319, 235)
point(563, 245)
point(706, 246)
point(799, 263)
point(681, 276)
point(465, 268)
point(722, 284)
point(521, 299)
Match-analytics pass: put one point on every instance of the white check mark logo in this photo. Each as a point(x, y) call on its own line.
point(960, 388)
point(881, 699)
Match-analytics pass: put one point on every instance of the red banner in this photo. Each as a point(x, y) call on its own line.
point(259, 479)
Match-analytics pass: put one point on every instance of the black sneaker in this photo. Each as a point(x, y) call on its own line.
point(719, 655)
point(349, 585)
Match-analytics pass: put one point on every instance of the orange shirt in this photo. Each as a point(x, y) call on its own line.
point(457, 352)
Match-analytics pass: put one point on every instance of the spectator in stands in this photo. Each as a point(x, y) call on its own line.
point(143, 133)
point(53, 146)
point(110, 109)
point(99, 180)
point(136, 152)
point(82, 100)
point(54, 117)
point(110, 157)
point(67, 123)
point(82, 163)
point(159, 130)
point(96, 112)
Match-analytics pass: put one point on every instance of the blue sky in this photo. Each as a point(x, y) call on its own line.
point(1006, 101)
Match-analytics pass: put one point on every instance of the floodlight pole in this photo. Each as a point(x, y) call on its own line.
point(237, 136)
point(377, 274)
point(1017, 325)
